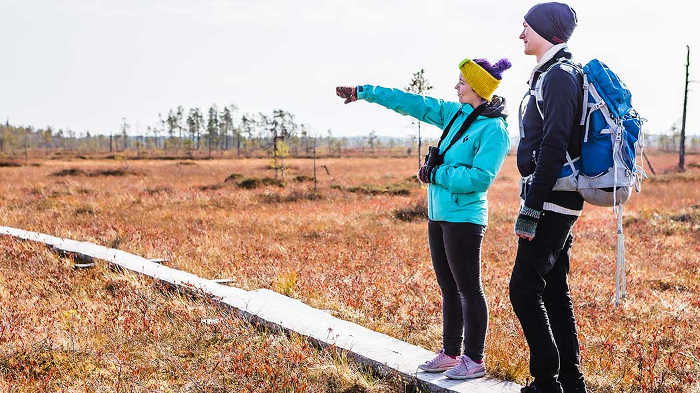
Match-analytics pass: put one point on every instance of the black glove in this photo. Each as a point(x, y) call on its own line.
point(526, 223)
point(347, 92)
point(424, 173)
point(432, 159)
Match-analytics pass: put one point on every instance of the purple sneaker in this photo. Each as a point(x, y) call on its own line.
point(440, 363)
point(466, 369)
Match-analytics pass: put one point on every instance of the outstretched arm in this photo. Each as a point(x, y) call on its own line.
point(427, 109)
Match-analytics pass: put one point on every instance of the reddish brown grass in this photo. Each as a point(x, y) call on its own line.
point(347, 252)
point(96, 330)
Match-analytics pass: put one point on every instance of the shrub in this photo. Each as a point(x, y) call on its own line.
point(271, 181)
point(417, 212)
point(69, 172)
point(112, 172)
point(294, 196)
point(376, 190)
point(233, 177)
point(95, 173)
point(303, 178)
point(250, 183)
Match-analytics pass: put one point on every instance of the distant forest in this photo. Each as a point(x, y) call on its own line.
point(216, 133)
point(192, 132)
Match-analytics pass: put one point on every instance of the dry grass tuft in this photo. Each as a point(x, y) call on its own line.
point(293, 196)
point(417, 212)
point(286, 283)
point(674, 177)
point(212, 187)
point(154, 190)
point(391, 189)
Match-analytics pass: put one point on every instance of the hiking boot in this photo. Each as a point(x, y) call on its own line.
point(532, 388)
point(439, 363)
point(576, 387)
point(466, 368)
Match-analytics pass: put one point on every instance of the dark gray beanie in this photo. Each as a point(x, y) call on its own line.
point(555, 22)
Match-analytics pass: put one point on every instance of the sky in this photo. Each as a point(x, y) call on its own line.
point(85, 65)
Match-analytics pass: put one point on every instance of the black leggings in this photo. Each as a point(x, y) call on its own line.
point(455, 248)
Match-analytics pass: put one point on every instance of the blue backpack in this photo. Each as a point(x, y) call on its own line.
point(607, 170)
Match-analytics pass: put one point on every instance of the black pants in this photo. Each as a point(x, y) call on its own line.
point(455, 248)
point(539, 293)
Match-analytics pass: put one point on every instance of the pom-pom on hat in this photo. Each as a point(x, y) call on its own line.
point(483, 77)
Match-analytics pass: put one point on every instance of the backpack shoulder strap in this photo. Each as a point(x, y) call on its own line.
point(564, 64)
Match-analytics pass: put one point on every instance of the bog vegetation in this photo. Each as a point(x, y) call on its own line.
point(351, 239)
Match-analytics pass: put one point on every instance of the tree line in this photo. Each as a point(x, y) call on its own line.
point(194, 131)
point(226, 132)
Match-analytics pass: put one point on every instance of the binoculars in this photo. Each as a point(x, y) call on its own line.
point(433, 158)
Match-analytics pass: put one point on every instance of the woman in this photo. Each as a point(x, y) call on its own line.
point(459, 171)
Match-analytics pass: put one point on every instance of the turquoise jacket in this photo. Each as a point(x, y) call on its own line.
point(457, 192)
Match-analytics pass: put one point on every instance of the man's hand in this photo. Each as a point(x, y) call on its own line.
point(526, 223)
point(347, 92)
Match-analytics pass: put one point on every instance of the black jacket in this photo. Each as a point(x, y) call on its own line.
point(543, 148)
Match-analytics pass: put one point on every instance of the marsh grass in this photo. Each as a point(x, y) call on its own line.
point(355, 258)
point(98, 330)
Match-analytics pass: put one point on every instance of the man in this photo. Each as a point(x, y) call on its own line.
point(550, 141)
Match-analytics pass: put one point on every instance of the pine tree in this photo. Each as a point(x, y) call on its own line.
point(419, 85)
point(212, 127)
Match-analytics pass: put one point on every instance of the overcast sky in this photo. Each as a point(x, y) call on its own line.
point(86, 64)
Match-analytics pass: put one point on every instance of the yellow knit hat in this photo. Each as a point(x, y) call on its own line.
point(483, 83)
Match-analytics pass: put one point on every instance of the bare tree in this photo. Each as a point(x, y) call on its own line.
point(681, 150)
point(125, 133)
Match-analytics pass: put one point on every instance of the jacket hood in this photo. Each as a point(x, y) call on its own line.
point(496, 108)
